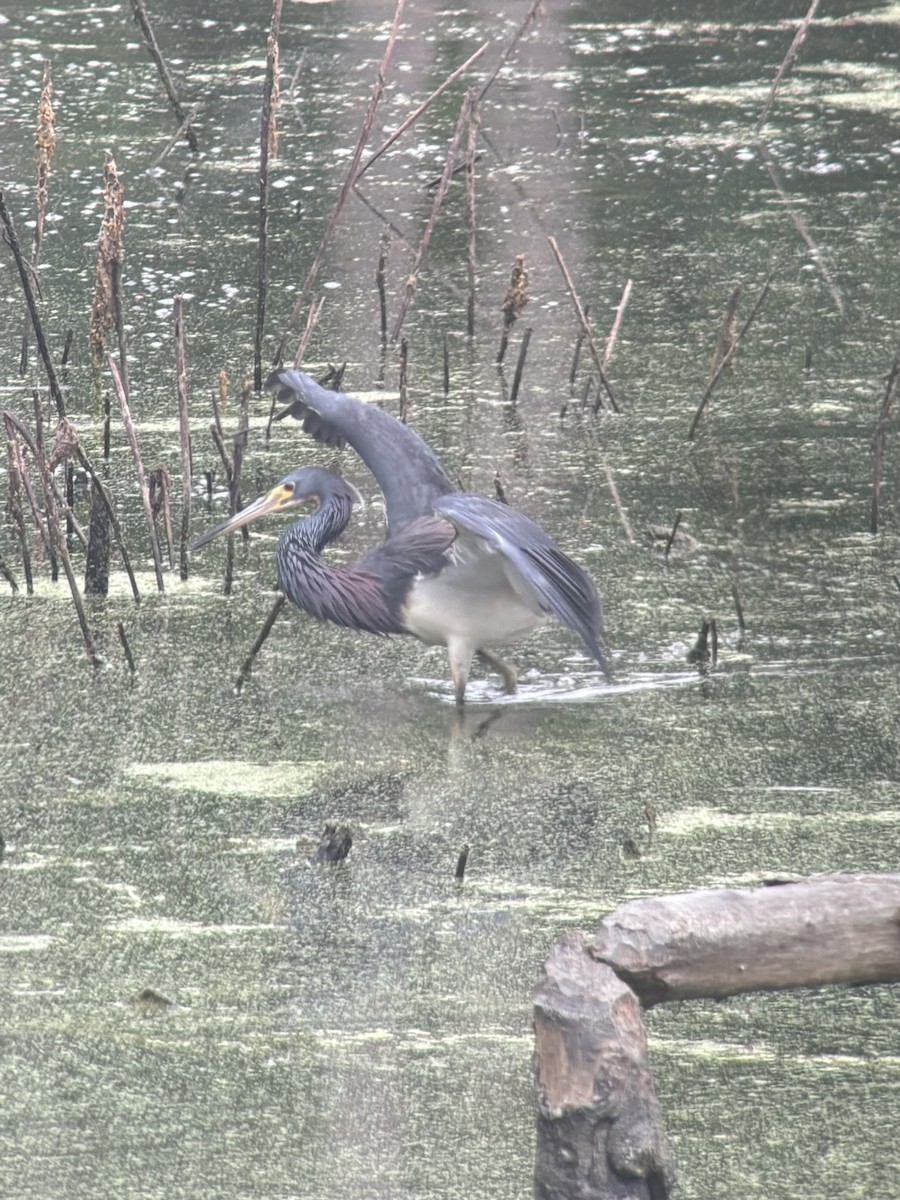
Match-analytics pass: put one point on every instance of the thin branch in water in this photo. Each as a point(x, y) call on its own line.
point(800, 225)
point(184, 430)
point(404, 367)
point(414, 116)
point(617, 323)
point(511, 45)
point(25, 279)
point(127, 649)
point(880, 438)
point(584, 323)
point(160, 503)
point(573, 372)
point(728, 356)
point(142, 477)
point(247, 667)
point(383, 245)
point(671, 537)
point(266, 150)
point(143, 23)
point(786, 63)
point(313, 272)
point(520, 366)
point(727, 332)
point(45, 141)
point(471, 229)
point(411, 282)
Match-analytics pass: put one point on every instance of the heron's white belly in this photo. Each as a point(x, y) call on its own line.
point(472, 601)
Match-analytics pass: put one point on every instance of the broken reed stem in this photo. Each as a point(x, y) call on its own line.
point(8, 575)
point(124, 640)
point(345, 188)
point(96, 564)
point(142, 477)
point(52, 510)
point(738, 608)
point(815, 253)
point(585, 325)
point(159, 502)
point(404, 363)
point(471, 230)
point(880, 438)
point(266, 147)
point(446, 365)
point(617, 500)
point(520, 366)
point(463, 858)
point(143, 23)
point(579, 341)
point(786, 63)
point(108, 304)
point(99, 489)
point(727, 358)
point(184, 430)
point(514, 41)
point(727, 330)
point(617, 323)
point(19, 485)
point(422, 250)
point(220, 402)
point(383, 243)
point(34, 444)
point(513, 302)
point(671, 538)
point(312, 319)
point(414, 116)
point(45, 141)
point(219, 442)
point(25, 279)
point(247, 667)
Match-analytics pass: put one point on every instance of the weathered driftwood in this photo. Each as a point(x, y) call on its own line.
point(600, 1131)
point(600, 1134)
point(839, 929)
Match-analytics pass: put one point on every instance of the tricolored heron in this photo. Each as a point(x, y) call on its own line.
point(454, 569)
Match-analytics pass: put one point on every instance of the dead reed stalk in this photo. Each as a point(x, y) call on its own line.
point(880, 438)
point(142, 476)
point(143, 23)
point(25, 280)
point(313, 272)
point(786, 63)
point(513, 302)
point(584, 323)
point(412, 280)
point(184, 430)
point(107, 309)
point(45, 141)
point(726, 358)
point(267, 148)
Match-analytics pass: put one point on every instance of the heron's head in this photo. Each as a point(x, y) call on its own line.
point(305, 485)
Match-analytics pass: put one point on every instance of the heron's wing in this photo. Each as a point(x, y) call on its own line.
point(408, 471)
point(536, 566)
point(419, 548)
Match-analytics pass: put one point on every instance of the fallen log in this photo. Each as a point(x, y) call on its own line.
point(839, 929)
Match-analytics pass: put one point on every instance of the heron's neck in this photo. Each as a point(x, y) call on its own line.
point(302, 573)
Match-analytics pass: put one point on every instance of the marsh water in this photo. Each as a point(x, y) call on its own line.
point(363, 1029)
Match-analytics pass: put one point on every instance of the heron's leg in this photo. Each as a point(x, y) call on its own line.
point(460, 655)
point(503, 669)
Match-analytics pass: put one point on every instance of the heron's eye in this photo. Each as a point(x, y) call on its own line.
point(289, 488)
